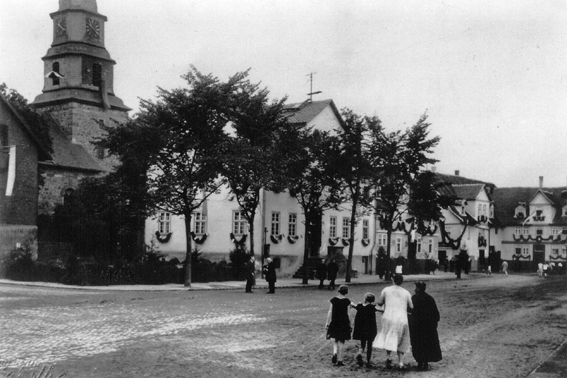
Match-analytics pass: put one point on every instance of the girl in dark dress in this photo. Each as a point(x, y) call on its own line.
point(365, 328)
point(338, 324)
point(423, 328)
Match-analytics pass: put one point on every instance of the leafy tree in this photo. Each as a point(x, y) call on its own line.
point(314, 185)
point(354, 168)
point(425, 205)
point(182, 141)
point(255, 150)
point(397, 158)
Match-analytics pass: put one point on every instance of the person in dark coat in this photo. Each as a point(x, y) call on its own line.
point(423, 328)
point(332, 271)
point(250, 274)
point(365, 328)
point(338, 324)
point(270, 275)
point(381, 263)
point(322, 273)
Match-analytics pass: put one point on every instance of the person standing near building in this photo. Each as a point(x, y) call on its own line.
point(423, 321)
point(338, 324)
point(394, 335)
point(322, 273)
point(250, 274)
point(270, 274)
point(332, 271)
point(505, 267)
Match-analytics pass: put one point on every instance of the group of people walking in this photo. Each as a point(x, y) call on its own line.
point(407, 321)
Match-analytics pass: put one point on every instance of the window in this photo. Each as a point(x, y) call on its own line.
point(68, 195)
point(479, 209)
point(346, 228)
point(555, 232)
point(200, 223)
point(525, 251)
point(292, 227)
point(398, 244)
point(430, 245)
point(418, 243)
point(518, 231)
point(54, 76)
point(365, 228)
point(382, 240)
point(491, 211)
point(238, 223)
point(333, 227)
point(97, 74)
point(539, 232)
point(484, 210)
point(525, 231)
point(555, 251)
point(275, 223)
point(520, 211)
point(164, 223)
point(100, 152)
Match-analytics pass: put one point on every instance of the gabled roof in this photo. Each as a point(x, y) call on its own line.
point(70, 155)
point(469, 191)
point(43, 150)
point(305, 112)
point(507, 199)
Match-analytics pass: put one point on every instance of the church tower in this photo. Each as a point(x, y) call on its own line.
point(78, 88)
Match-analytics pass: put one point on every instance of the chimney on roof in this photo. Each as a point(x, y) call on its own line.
point(457, 172)
point(541, 182)
point(433, 168)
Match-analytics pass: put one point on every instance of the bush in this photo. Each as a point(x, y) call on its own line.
point(239, 258)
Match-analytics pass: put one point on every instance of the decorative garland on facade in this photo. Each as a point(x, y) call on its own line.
point(292, 239)
point(198, 240)
point(161, 238)
point(240, 242)
point(518, 257)
point(365, 242)
point(452, 243)
point(538, 238)
point(345, 241)
point(333, 241)
point(276, 239)
point(557, 257)
point(428, 231)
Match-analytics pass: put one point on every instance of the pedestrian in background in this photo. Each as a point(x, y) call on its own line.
point(332, 271)
point(394, 335)
point(505, 268)
point(250, 274)
point(322, 273)
point(270, 275)
point(338, 324)
point(423, 328)
point(365, 329)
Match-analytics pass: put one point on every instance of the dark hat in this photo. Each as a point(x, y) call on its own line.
point(343, 289)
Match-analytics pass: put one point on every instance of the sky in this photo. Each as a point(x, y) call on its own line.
point(490, 74)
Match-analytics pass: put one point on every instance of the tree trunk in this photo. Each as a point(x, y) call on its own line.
point(306, 248)
point(189, 245)
point(387, 274)
point(351, 239)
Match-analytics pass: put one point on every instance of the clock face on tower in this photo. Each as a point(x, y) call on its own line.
point(93, 29)
point(60, 27)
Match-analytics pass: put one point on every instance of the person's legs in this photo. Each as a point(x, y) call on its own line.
point(341, 347)
point(401, 360)
point(388, 360)
point(369, 352)
point(335, 351)
point(360, 352)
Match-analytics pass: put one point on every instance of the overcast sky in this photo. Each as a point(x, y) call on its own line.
point(491, 74)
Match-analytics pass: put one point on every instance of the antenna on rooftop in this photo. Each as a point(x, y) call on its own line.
point(311, 87)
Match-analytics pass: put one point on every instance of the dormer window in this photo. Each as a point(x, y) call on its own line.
point(565, 211)
point(55, 78)
point(520, 212)
point(97, 74)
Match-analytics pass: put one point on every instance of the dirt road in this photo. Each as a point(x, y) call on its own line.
point(491, 327)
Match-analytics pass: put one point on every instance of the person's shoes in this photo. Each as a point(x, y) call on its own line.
point(334, 359)
point(401, 368)
point(388, 364)
point(340, 363)
point(359, 360)
point(425, 366)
